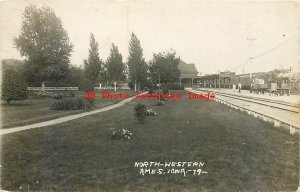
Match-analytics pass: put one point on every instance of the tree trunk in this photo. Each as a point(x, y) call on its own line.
point(43, 86)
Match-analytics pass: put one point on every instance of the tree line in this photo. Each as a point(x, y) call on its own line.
point(46, 46)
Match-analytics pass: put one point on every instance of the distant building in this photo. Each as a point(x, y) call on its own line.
point(222, 80)
point(188, 73)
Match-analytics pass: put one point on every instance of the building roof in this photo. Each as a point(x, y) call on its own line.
point(187, 68)
point(248, 74)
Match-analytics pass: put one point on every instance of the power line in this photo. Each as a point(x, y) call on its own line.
point(261, 54)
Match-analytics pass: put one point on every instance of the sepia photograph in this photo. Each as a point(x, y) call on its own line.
point(149, 96)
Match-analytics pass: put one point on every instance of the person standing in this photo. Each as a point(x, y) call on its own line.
point(239, 87)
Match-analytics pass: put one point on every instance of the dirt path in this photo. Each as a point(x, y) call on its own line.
point(63, 119)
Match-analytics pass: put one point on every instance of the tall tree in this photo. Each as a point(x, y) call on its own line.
point(76, 75)
point(137, 66)
point(92, 65)
point(115, 65)
point(45, 44)
point(164, 66)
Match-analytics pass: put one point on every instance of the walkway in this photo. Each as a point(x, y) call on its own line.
point(64, 119)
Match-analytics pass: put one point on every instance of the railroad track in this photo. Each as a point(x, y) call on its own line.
point(291, 107)
point(282, 114)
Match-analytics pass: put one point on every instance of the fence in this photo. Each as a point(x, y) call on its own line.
point(53, 88)
point(111, 88)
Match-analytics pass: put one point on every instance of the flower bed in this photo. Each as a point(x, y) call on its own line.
point(150, 112)
point(71, 104)
point(121, 134)
point(55, 95)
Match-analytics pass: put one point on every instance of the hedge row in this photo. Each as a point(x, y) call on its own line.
point(56, 95)
point(175, 86)
point(72, 104)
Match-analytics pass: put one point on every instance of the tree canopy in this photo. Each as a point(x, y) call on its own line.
point(164, 66)
point(115, 65)
point(92, 65)
point(137, 67)
point(45, 43)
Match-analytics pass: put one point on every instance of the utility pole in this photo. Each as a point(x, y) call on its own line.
point(251, 40)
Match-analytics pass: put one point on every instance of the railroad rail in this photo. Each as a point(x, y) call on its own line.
point(289, 108)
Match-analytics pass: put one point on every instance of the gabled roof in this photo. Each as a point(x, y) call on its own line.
point(187, 68)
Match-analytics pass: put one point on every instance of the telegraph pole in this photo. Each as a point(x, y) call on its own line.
point(251, 40)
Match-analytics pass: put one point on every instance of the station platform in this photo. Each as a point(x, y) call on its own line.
point(295, 99)
point(285, 114)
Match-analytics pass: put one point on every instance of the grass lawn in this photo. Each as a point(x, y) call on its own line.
point(240, 153)
point(37, 109)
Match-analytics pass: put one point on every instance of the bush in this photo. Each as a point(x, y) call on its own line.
point(90, 102)
point(131, 85)
point(86, 85)
point(71, 104)
point(55, 95)
point(72, 94)
point(165, 89)
point(140, 111)
point(52, 95)
point(121, 134)
point(175, 86)
point(13, 86)
point(151, 90)
point(150, 112)
point(148, 84)
point(160, 103)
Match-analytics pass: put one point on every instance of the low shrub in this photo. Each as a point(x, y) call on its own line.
point(140, 111)
point(71, 104)
point(151, 90)
point(131, 85)
point(175, 86)
point(148, 84)
point(55, 95)
point(48, 94)
point(90, 102)
point(150, 112)
point(165, 89)
point(71, 94)
point(160, 103)
point(121, 134)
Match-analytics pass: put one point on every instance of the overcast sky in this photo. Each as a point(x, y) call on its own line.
point(212, 35)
